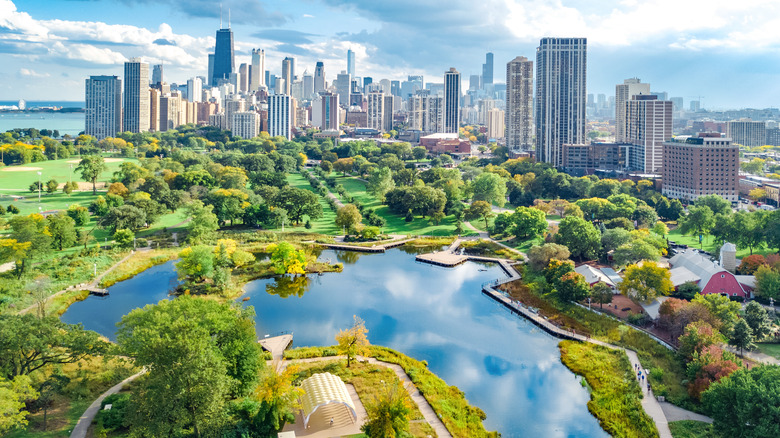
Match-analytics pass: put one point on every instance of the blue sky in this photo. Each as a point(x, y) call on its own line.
point(722, 50)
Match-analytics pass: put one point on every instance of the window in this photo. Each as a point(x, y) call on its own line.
point(722, 275)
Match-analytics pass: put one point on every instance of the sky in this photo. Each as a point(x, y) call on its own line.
point(722, 52)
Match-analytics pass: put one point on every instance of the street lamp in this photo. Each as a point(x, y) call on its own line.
point(39, 187)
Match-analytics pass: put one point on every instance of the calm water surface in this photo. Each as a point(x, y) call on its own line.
point(66, 123)
point(505, 365)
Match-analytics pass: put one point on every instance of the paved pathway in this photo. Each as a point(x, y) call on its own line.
point(649, 402)
point(755, 356)
point(482, 234)
point(80, 431)
point(676, 413)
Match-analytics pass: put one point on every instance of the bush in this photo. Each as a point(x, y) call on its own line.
point(141, 243)
point(114, 418)
point(13, 209)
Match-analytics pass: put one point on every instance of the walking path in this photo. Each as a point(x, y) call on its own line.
point(92, 285)
point(80, 431)
point(755, 356)
point(422, 404)
point(676, 413)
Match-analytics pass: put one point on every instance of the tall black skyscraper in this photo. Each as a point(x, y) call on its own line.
point(224, 61)
point(487, 70)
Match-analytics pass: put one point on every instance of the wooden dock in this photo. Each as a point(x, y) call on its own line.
point(373, 249)
point(94, 290)
point(277, 344)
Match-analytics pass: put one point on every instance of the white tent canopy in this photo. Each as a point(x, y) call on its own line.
point(323, 389)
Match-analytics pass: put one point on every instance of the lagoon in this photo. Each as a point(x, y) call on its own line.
point(504, 364)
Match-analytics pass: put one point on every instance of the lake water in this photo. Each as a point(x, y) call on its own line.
point(66, 123)
point(504, 364)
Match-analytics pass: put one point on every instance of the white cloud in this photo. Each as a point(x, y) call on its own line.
point(32, 73)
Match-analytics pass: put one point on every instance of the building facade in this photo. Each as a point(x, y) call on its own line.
point(560, 96)
point(623, 93)
point(519, 104)
point(451, 101)
point(257, 73)
point(586, 159)
point(135, 117)
point(103, 106)
point(699, 166)
point(224, 57)
point(319, 77)
point(288, 73)
point(281, 115)
point(246, 124)
point(495, 124)
point(350, 62)
point(487, 70)
point(747, 133)
point(648, 126)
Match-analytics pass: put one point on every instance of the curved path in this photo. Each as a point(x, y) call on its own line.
point(80, 431)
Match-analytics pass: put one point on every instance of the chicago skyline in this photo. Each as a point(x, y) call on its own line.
point(80, 41)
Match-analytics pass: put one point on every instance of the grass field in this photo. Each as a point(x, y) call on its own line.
point(691, 429)
point(325, 224)
point(710, 244)
point(16, 183)
point(770, 349)
point(396, 223)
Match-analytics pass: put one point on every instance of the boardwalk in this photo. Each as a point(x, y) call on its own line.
point(276, 345)
point(375, 248)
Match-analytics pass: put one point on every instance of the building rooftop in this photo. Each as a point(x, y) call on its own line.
point(442, 136)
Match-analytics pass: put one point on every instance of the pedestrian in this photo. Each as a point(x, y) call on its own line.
point(648, 386)
point(331, 421)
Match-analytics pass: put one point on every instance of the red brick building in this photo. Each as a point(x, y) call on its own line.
point(707, 164)
point(448, 143)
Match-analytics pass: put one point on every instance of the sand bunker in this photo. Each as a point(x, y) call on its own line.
point(19, 169)
point(107, 160)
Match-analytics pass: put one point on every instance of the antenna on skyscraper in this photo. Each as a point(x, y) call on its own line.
point(220, 15)
point(228, 18)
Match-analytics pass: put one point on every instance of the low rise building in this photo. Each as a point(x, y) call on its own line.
point(445, 143)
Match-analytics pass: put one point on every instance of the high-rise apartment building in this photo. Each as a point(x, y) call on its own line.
point(154, 109)
point(308, 85)
point(487, 70)
point(707, 164)
point(103, 106)
point(288, 73)
point(194, 89)
point(281, 115)
point(157, 74)
point(224, 57)
point(451, 100)
point(648, 126)
point(170, 111)
point(351, 62)
point(319, 77)
point(474, 81)
point(343, 83)
point(519, 104)
point(495, 124)
point(380, 111)
point(325, 111)
point(210, 74)
point(135, 117)
point(623, 93)
point(560, 96)
point(257, 74)
point(246, 124)
point(243, 78)
point(747, 132)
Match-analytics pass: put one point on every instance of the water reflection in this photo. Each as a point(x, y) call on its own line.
point(348, 257)
point(288, 285)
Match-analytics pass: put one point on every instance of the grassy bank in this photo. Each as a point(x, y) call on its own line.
point(692, 429)
point(449, 402)
point(487, 248)
point(139, 262)
point(615, 395)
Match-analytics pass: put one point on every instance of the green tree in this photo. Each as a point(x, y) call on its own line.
point(91, 166)
point(721, 307)
point(716, 203)
point(528, 222)
point(298, 203)
point(69, 187)
point(286, 259)
point(354, 340)
point(125, 217)
point(196, 263)
point(767, 282)
point(489, 187)
point(33, 229)
point(688, 290)
point(197, 352)
point(539, 256)
point(635, 251)
point(754, 166)
point(697, 336)
point(326, 166)
point(742, 336)
point(380, 181)
point(580, 236)
point(99, 207)
point(602, 293)
point(757, 318)
point(278, 397)
point(13, 395)
point(203, 222)
point(699, 221)
point(124, 238)
point(62, 229)
point(573, 287)
point(29, 343)
point(51, 185)
point(348, 217)
point(79, 214)
point(479, 210)
point(388, 413)
point(419, 153)
point(660, 228)
point(646, 282)
point(744, 403)
point(555, 270)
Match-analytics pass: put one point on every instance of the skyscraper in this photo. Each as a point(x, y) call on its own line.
point(224, 58)
point(519, 104)
point(343, 83)
point(136, 106)
point(103, 99)
point(194, 89)
point(157, 74)
point(319, 77)
point(243, 79)
point(308, 85)
point(623, 92)
point(210, 74)
point(380, 111)
point(487, 70)
point(287, 75)
point(648, 126)
point(257, 77)
point(351, 62)
point(451, 100)
point(280, 115)
point(560, 96)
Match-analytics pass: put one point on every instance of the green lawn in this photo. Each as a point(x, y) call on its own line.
point(395, 222)
point(691, 429)
point(770, 349)
point(325, 224)
point(18, 182)
point(710, 244)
